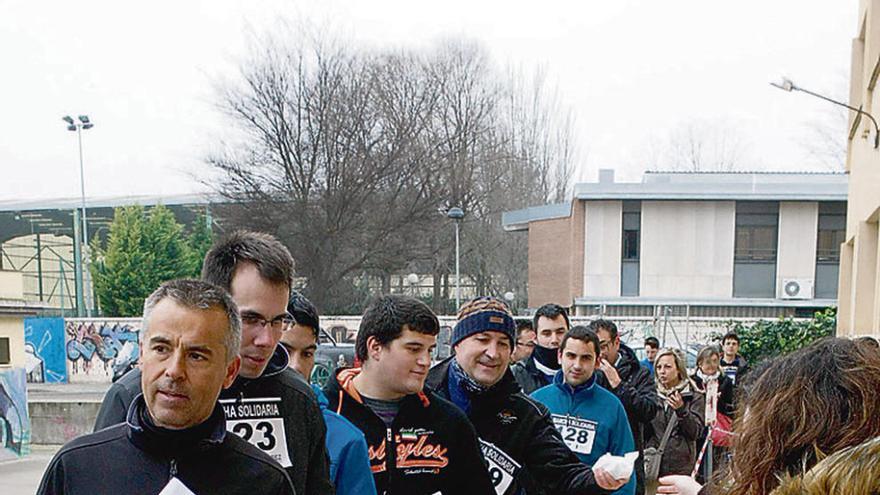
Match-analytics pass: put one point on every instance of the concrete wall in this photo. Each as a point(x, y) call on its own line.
point(58, 422)
point(798, 233)
point(687, 249)
point(94, 347)
point(602, 248)
point(860, 315)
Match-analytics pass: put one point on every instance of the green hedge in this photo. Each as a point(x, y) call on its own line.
point(768, 338)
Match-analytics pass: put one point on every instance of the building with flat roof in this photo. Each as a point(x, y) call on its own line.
point(859, 312)
point(708, 244)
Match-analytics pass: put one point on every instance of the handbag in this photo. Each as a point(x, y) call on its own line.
point(653, 456)
point(721, 431)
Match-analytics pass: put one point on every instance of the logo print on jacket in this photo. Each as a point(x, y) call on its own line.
point(413, 451)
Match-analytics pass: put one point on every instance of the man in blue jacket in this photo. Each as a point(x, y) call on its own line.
point(592, 420)
point(349, 460)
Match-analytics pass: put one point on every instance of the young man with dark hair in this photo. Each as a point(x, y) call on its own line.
point(620, 372)
point(267, 404)
point(526, 453)
point(418, 443)
point(525, 340)
point(551, 323)
point(349, 461)
point(592, 420)
point(652, 345)
point(732, 364)
point(174, 439)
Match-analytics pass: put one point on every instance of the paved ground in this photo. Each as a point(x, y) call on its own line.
point(22, 476)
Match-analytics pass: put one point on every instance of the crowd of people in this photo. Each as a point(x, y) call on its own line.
point(522, 407)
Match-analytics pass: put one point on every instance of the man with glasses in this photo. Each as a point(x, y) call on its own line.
point(268, 404)
point(525, 340)
point(620, 372)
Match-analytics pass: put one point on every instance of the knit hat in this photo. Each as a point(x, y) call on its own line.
point(483, 314)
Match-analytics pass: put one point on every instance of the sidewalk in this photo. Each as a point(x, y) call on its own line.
point(22, 476)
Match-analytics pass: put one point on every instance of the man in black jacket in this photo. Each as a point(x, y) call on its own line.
point(620, 372)
point(550, 323)
point(175, 434)
point(268, 404)
point(526, 453)
point(418, 443)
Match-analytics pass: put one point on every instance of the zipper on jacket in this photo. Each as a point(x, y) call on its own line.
point(173, 469)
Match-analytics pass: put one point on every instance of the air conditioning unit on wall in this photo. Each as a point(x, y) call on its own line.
point(797, 288)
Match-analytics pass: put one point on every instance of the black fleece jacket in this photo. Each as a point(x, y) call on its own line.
point(136, 457)
point(274, 410)
point(430, 448)
point(521, 428)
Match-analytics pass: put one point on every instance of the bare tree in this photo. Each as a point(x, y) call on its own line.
point(700, 146)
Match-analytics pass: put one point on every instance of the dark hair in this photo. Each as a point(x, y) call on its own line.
point(271, 258)
point(304, 312)
point(730, 335)
point(606, 325)
point(582, 333)
point(198, 295)
point(868, 342)
point(652, 342)
point(523, 324)
point(804, 406)
point(386, 316)
point(550, 311)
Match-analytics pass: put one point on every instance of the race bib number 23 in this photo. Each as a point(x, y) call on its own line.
point(259, 422)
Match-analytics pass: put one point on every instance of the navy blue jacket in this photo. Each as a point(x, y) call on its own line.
point(601, 425)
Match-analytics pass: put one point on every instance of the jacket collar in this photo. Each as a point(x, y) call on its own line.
point(628, 363)
point(159, 440)
point(580, 391)
point(343, 385)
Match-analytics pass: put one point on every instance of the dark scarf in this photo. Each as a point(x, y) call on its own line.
point(547, 357)
point(462, 388)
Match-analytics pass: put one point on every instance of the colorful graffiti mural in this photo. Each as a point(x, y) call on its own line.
point(15, 426)
point(99, 349)
point(44, 350)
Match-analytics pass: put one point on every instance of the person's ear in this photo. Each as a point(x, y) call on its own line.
point(232, 371)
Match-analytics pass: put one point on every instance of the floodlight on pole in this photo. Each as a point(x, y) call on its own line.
point(81, 241)
point(786, 84)
point(456, 214)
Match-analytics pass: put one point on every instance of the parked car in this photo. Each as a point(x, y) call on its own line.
point(329, 357)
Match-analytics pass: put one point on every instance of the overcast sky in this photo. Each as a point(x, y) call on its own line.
point(633, 71)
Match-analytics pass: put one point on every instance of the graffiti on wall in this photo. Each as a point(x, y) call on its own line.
point(99, 349)
point(15, 426)
point(44, 350)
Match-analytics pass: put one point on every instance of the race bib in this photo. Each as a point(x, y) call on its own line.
point(259, 422)
point(577, 433)
point(502, 467)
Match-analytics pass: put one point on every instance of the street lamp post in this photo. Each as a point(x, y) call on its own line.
point(788, 85)
point(81, 241)
point(456, 214)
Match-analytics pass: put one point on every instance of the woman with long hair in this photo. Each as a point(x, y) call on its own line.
point(803, 407)
point(683, 404)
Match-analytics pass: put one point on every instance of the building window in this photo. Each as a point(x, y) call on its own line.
point(831, 234)
point(755, 250)
point(629, 265)
point(5, 356)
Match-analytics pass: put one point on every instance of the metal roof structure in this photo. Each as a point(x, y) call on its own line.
point(694, 186)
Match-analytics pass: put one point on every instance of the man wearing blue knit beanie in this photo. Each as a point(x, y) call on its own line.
point(524, 451)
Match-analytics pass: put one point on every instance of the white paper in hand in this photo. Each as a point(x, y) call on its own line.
point(618, 467)
point(176, 487)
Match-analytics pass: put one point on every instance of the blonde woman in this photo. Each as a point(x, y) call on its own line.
point(682, 403)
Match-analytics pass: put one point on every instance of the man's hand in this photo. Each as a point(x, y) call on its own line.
point(606, 481)
point(679, 485)
point(610, 372)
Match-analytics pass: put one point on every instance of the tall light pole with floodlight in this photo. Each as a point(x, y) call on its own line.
point(456, 214)
point(81, 241)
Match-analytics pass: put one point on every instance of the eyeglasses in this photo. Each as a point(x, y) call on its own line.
point(256, 320)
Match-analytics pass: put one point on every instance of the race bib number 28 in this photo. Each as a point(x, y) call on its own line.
point(259, 422)
point(577, 433)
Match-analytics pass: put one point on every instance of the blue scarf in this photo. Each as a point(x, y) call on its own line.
point(462, 388)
